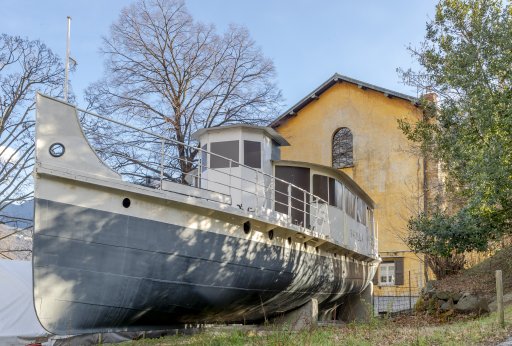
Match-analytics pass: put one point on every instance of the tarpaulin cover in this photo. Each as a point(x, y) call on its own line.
point(17, 314)
point(19, 324)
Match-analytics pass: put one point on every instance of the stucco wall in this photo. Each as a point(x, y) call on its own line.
point(384, 164)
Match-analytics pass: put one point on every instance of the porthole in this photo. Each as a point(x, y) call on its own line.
point(335, 254)
point(317, 249)
point(57, 149)
point(271, 234)
point(126, 203)
point(247, 227)
point(290, 240)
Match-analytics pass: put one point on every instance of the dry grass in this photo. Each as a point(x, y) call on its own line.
point(419, 329)
point(480, 279)
point(405, 330)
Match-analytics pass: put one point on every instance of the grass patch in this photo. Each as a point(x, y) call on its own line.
point(413, 330)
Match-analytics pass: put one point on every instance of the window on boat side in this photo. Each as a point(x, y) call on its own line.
point(342, 148)
point(329, 189)
point(252, 154)
point(370, 219)
point(324, 187)
point(204, 158)
point(338, 193)
point(361, 211)
point(350, 203)
point(227, 149)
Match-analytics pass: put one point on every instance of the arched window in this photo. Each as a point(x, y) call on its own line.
point(342, 148)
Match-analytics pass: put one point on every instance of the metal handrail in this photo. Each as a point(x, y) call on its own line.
point(310, 200)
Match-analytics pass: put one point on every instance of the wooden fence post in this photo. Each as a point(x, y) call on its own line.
point(499, 298)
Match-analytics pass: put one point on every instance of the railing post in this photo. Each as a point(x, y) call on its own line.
point(229, 184)
point(305, 218)
point(272, 193)
point(161, 163)
point(290, 202)
point(256, 190)
point(200, 169)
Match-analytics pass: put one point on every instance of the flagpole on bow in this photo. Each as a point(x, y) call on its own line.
point(66, 77)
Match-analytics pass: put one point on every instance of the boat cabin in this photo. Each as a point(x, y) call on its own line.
point(243, 162)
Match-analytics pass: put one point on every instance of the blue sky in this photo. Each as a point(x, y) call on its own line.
point(308, 40)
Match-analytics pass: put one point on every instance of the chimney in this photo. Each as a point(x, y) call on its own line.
point(430, 97)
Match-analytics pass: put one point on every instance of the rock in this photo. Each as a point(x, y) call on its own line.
point(447, 305)
point(429, 287)
point(443, 295)
point(456, 297)
point(507, 298)
point(470, 303)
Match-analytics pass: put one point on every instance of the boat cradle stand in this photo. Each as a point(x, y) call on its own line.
point(357, 308)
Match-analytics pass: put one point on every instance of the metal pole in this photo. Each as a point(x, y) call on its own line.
point(410, 293)
point(305, 210)
point(162, 164)
point(256, 187)
point(289, 202)
point(200, 170)
point(229, 184)
point(66, 77)
point(499, 298)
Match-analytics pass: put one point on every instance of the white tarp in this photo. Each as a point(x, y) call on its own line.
point(17, 314)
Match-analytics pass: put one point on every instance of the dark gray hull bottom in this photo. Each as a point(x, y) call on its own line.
point(123, 272)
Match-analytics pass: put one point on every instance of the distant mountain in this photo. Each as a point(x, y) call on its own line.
point(18, 215)
point(17, 244)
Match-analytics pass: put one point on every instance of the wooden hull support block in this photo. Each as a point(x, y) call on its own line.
point(358, 307)
point(303, 317)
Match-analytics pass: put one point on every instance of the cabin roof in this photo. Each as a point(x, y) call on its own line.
point(342, 176)
point(265, 129)
point(334, 79)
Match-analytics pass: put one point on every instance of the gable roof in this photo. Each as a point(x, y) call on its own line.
point(337, 78)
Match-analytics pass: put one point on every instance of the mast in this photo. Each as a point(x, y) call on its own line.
point(66, 77)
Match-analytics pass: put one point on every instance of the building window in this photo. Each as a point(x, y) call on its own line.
point(342, 148)
point(391, 272)
point(387, 274)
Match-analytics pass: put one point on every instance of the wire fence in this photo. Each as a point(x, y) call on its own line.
point(398, 299)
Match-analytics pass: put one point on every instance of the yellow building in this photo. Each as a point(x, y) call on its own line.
point(353, 126)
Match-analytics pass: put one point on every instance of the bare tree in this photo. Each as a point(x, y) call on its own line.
point(173, 75)
point(25, 66)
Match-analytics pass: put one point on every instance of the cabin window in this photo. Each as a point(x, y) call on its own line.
point(370, 220)
point(350, 203)
point(338, 193)
point(204, 158)
point(342, 148)
point(252, 154)
point(299, 177)
point(361, 211)
point(324, 187)
point(228, 149)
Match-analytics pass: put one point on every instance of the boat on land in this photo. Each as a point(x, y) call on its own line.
point(124, 240)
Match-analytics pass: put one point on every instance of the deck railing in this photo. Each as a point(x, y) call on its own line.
point(143, 157)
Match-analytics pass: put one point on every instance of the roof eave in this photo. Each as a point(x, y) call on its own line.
point(336, 78)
